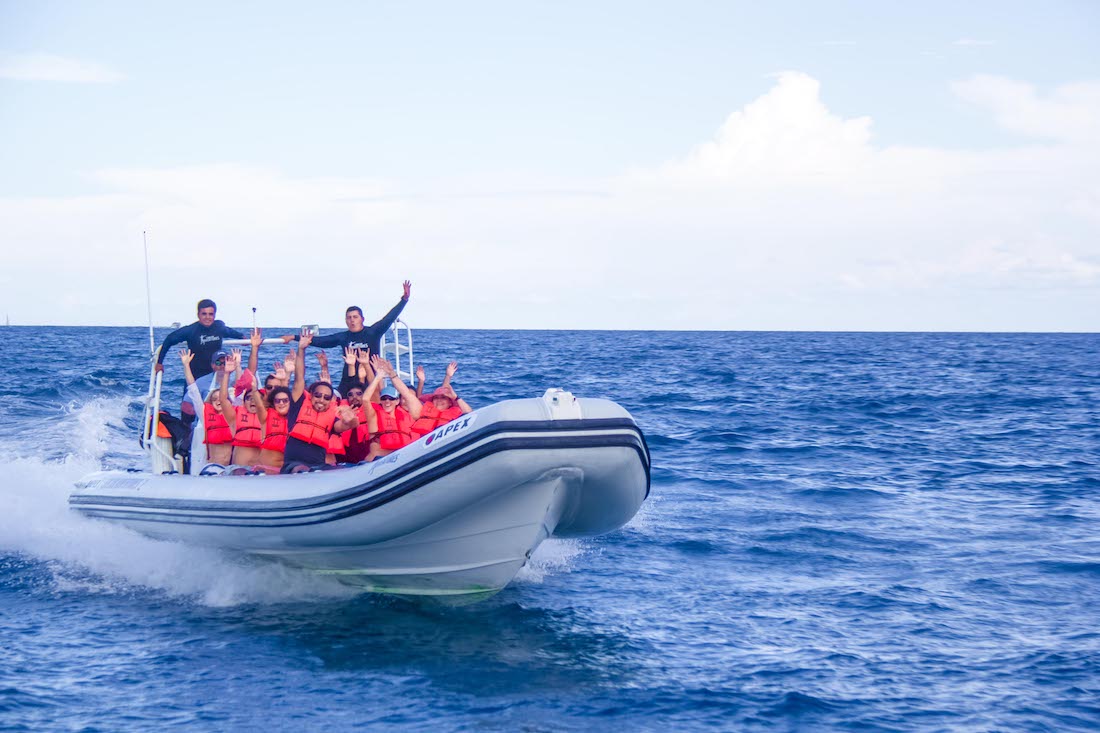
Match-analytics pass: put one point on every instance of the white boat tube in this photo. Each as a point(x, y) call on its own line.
point(458, 512)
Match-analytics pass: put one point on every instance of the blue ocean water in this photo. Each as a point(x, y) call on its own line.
point(847, 531)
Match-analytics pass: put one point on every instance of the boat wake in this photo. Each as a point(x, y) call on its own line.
point(89, 556)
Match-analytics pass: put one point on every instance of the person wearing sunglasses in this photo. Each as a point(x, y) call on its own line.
point(273, 411)
point(314, 415)
point(357, 440)
point(391, 418)
point(441, 406)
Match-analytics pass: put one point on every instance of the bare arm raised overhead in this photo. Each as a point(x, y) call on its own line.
point(256, 339)
point(300, 366)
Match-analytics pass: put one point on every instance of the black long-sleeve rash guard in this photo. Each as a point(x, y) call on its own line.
point(369, 338)
point(204, 343)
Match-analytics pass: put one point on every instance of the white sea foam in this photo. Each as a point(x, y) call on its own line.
point(97, 556)
point(552, 557)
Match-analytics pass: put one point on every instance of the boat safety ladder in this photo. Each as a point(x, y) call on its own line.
point(400, 354)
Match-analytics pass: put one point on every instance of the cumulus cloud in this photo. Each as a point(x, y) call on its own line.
point(791, 216)
point(49, 67)
point(791, 198)
point(787, 136)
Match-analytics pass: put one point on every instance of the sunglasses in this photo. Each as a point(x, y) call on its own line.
point(387, 397)
point(322, 396)
point(282, 400)
point(355, 393)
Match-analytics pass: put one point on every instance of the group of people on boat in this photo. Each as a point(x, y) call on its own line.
point(291, 423)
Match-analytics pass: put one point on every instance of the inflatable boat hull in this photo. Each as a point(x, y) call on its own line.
point(458, 512)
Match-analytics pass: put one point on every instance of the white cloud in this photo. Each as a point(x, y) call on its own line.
point(785, 137)
point(1071, 112)
point(791, 217)
point(48, 67)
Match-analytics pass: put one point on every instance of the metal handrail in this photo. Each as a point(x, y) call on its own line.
point(407, 376)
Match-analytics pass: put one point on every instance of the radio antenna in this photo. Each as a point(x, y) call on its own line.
point(148, 292)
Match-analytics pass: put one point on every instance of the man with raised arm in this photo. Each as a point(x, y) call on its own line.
point(204, 340)
point(313, 417)
point(357, 336)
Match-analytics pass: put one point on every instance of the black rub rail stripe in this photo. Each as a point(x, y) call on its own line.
point(384, 497)
point(509, 426)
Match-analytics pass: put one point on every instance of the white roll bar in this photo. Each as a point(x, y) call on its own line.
point(395, 351)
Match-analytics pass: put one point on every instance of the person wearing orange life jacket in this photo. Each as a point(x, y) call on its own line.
point(356, 441)
point(219, 436)
point(243, 419)
point(312, 419)
point(441, 406)
point(335, 449)
point(390, 423)
point(272, 411)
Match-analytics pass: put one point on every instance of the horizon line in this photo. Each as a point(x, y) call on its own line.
point(634, 330)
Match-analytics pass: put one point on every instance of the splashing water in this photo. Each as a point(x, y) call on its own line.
point(98, 556)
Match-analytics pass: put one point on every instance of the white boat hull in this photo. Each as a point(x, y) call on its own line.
point(458, 512)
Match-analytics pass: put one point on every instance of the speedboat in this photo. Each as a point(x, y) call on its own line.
point(457, 513)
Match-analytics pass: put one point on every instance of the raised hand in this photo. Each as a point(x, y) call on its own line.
point(280, 371)
point(235, 355)
point(291, 361)
point(450, 392)
point(452, 368)
point(420, 373)
point(322, 359)
point(407, 285)
point(186, 356)
point(363, 356)
point(256, 337)
point(381, 366)
point(349, 356)
point(305, 339)
point(347, 414)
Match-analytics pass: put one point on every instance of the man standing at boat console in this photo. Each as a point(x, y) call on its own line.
point(357, 336)
point(204, 339)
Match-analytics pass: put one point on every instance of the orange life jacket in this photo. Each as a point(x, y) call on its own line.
point(394, 430)
point(314, 427)
point(274, 432)
point(431, 418)
point(217, 428)
point(248, 429)
point(336, 443)
point(361, 433)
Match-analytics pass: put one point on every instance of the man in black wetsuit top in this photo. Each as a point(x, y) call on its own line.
point(204, 339)
point(357, 336)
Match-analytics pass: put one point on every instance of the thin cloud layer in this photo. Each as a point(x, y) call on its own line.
point(1069, 113)
point(791, 217)
point(49, 67)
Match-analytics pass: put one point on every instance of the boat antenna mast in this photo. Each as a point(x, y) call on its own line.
point(148, 293)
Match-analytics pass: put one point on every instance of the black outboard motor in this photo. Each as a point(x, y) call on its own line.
point(181, 437)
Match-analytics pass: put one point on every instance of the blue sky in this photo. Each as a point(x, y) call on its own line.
point(509, 136)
